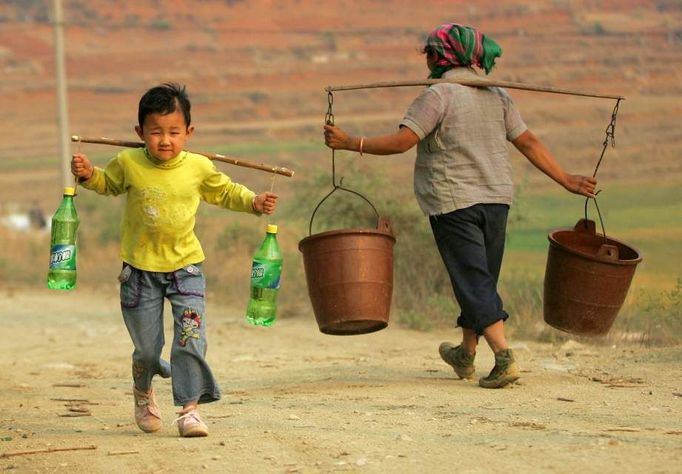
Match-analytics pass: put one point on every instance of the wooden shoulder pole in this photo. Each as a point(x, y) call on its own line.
point(474, 82)
point(212, 156)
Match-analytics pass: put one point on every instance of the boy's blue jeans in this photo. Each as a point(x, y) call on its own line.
point(142, 305)
point(471, 243)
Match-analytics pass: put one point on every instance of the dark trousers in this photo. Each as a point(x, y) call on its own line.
point(471, 243)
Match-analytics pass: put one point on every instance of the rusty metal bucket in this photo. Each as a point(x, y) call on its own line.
point(586, 279)
point(350, 278)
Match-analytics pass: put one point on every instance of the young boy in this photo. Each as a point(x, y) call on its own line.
point(161, 254)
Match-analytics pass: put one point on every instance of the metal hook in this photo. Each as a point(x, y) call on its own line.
point(610, 137)
point(329, 120)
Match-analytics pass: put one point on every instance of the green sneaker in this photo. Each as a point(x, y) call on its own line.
point(504, 372)
point(458, 358)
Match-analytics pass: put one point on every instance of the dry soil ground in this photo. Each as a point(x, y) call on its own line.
point(296, 400)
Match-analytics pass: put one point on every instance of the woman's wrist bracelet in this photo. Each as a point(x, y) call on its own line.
point(362, 141)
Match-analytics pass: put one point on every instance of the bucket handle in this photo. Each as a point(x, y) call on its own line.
point(606, 251)
point(342, 188)
point(610, 137)
point(585, 226)
point(585, 221)
point(384, 225)
point(329, 120)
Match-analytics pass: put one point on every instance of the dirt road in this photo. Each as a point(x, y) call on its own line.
point(295, 400)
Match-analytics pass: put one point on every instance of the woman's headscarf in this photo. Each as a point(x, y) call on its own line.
point(461, 46)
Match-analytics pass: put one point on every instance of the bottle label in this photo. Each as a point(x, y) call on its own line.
point(63, 257)
point(265, 274)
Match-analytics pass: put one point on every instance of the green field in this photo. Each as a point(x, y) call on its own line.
point(647, 217)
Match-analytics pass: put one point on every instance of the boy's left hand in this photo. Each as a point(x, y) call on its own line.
point(265, 203)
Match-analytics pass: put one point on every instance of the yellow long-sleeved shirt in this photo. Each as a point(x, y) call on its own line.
point(157, 228)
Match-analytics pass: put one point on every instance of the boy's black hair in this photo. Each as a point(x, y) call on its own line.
point(164, 99)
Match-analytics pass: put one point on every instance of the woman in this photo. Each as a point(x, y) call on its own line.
point(463, 182)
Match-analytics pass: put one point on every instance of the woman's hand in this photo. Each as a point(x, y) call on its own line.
point(336, 138)
point(584, 185)
point(81, 166)
point(265, 203)
point(391, 144)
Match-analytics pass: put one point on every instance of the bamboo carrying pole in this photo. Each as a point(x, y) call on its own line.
point(212, 156)
point(477, 82)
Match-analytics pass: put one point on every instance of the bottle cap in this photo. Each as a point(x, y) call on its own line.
point(272, 229)
point(69, 191)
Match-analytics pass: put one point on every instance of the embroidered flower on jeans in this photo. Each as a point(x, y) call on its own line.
point(191, 322)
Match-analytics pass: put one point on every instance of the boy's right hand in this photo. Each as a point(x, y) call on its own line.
point(81, 166)
point(265, 203)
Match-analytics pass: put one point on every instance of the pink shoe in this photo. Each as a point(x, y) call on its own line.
point(147, 414)
point(190, 425)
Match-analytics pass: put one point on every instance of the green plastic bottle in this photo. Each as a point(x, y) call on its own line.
point(61, 274)
point(266, 271)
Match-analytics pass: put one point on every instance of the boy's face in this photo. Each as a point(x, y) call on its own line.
point(165, 135)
